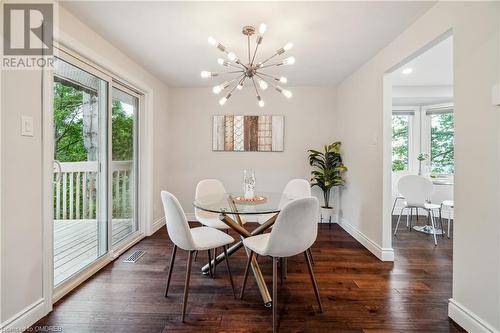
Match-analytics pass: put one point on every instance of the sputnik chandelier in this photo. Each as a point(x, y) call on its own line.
point(250, 72)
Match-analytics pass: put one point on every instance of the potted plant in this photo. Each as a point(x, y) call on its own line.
point(327, 172)
point(421, 158)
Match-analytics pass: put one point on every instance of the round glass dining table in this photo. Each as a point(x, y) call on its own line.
point(235, 204)
point(231, 207)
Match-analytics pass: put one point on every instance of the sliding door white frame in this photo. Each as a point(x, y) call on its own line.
point(145, 171)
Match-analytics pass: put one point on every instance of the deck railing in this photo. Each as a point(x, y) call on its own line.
point(75, 192)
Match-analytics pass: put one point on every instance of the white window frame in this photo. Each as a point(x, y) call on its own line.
point(414, 125)
point(427, 124)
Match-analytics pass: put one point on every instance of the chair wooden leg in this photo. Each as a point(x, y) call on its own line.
point(313, 280)
point(229, 270)
point(245, 275)
point(311, 256)
point(170, 268)
point(186, 285)
point(449, 220)
point(210, 272)
point(275, 294)
point(282, 271)
point(215, 261)
point(195, 255)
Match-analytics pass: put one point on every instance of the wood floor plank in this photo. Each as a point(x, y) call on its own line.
point(359, 292)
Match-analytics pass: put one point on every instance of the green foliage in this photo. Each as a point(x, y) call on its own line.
point(442, 143)
point(123, 133)
point(68, 124)
point(400, 142)
point(327, 169)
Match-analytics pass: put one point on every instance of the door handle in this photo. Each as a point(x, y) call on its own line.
point(57, 165)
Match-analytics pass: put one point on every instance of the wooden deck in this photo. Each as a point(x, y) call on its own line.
point(75, 244)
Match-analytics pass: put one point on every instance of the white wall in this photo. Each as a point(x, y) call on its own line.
point(21, 168)
point(309, 123)
point(476, 271)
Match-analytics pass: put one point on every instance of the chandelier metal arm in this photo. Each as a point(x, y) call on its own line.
point(231, 72)
point(227, 63)
point(248, 39)
point(271, 65)
point(263, 62)
point(259, 40)
point(264, 79)
point(269, 76)
point(255, 87)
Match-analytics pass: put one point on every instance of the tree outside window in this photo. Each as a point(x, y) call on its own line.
point(400, 142)
point(442, 143)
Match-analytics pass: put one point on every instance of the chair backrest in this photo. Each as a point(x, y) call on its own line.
point(299, 188)
point(295, 229)
point(177, 224)
point(207, 187)
point(415, 189)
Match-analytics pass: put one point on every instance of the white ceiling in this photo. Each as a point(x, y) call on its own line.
point(432, 68)
point(332, 39)
point(431, 79)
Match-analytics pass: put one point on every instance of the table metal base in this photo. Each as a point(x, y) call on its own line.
point(427, 229)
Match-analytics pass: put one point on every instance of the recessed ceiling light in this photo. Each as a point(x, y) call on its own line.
point(407, 71)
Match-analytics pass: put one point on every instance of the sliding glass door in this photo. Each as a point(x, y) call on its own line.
point(95, 165)
point(125, 104)
point(80, 178)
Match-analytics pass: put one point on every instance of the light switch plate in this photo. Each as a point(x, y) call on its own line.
point(26, 126)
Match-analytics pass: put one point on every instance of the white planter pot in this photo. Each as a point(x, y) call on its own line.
point(326, 215)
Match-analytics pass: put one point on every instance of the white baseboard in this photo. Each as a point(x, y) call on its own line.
point(467, 319)
point(25, 318)
point(157, 224)
point(384, 254)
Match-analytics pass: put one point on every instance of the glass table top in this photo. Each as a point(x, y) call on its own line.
point(232, 203)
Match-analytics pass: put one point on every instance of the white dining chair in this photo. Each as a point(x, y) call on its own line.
point(294, 231)
point(295, 188)
point(417, 190)
point(451, 206)
point(191, 240)
point(213, 188)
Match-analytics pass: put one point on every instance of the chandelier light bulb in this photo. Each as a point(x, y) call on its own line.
point(205, 74)
point(217, 89)
point(289, 61)
point(260, 101)
point(283, 79)
point(262, 28)
point(288, 46)
point(287, 93)
point(231, 56)
point(220, 61)
point(212, 41)
point(263, 84)
point(222, 101)
point(239, 86)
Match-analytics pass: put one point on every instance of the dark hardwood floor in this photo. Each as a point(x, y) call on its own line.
point(359, 292)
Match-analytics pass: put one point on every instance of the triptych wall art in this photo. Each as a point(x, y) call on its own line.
point(248, 133)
